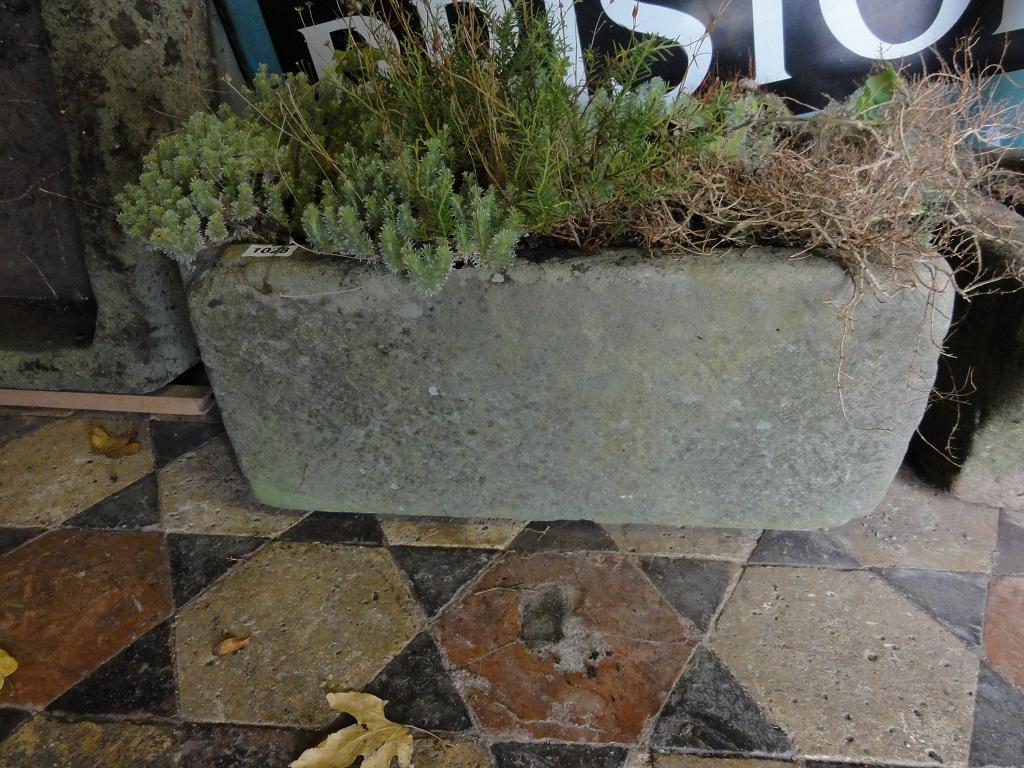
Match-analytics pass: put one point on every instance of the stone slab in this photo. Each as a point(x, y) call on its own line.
point(322, 618)
point(619, 388)
point(125, 72)
point(850, 668)
point(993, 472)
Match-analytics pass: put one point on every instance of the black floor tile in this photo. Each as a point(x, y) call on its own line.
point(197, 560)
point(10, 719)
point(11, 538)
point(557, 756)
point(130, 509)
point(800, 548)
point(419, 690)
point(954, 600)
point(998, 738)
point(695, 588)
point(237, 746)
point(137, 681)
point(563, 535)
point(337, 528)
point(437, 573)
point(172, 439)
point(709, 709)
point(1010, 547)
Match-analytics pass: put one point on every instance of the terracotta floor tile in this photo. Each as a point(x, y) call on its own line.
point(918, 526)
point(847, 666)
point(441, 532)
point(52, 473)
point(566, 646)
point(322, 618)
point(1004, 627)
point(71, 599)
point(46, 743)
point(666, 541)
point(204, 492)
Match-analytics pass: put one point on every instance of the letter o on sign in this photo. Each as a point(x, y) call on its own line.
point(849, 28)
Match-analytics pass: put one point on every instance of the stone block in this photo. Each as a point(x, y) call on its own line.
point(123, 73)
point(699, 390)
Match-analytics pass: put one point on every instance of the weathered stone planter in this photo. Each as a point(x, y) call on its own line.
point(617, 388)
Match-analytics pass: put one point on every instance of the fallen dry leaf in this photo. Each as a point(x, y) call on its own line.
point(8, 666)
point(230, 645)
point(113, 446)
point(374, 738)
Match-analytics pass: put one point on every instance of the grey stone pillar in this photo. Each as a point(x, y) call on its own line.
point(121, 73)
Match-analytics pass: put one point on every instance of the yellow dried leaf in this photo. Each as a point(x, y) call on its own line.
point(374, 738)
point(113, 446)
point(8, 666)
point(230, 645)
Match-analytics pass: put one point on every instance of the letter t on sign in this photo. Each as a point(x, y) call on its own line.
point(769, 42)
point(686, 30)
point(1013, 16)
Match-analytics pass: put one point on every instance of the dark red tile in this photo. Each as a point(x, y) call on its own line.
point(71, 599)
point(1004, 627)
point(576, 647)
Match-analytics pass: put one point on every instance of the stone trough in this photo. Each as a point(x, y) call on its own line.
point(700, 390)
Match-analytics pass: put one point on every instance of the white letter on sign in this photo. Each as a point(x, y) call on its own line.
point(769, 44)
point(1013, 16)
point(562, 20)
point(848, 26)
point(374, 32)
point(681, 27)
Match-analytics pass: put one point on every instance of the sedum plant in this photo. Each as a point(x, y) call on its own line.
point(453, 149)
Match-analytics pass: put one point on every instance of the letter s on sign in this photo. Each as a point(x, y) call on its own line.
point(681, 27)
point(849, 28)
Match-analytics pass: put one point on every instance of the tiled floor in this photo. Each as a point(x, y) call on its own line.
point(896, 640)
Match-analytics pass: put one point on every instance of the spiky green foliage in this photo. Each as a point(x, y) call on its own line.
point(450, 153)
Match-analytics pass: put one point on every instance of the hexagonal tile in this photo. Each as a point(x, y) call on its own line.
point(577, 647)
point(322, 618)
point(46, 742)
point(71, 599)
point(52, 472)
point(918, 526)
point(847, 666)
point(204, 492)
point(1004, 627)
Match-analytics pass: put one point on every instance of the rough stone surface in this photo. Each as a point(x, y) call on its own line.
point(993, 472)
point(125, 73)
point(847, 666)
point(344, 610)
point(612, 387)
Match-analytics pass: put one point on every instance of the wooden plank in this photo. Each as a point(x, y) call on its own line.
point(175, 399)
